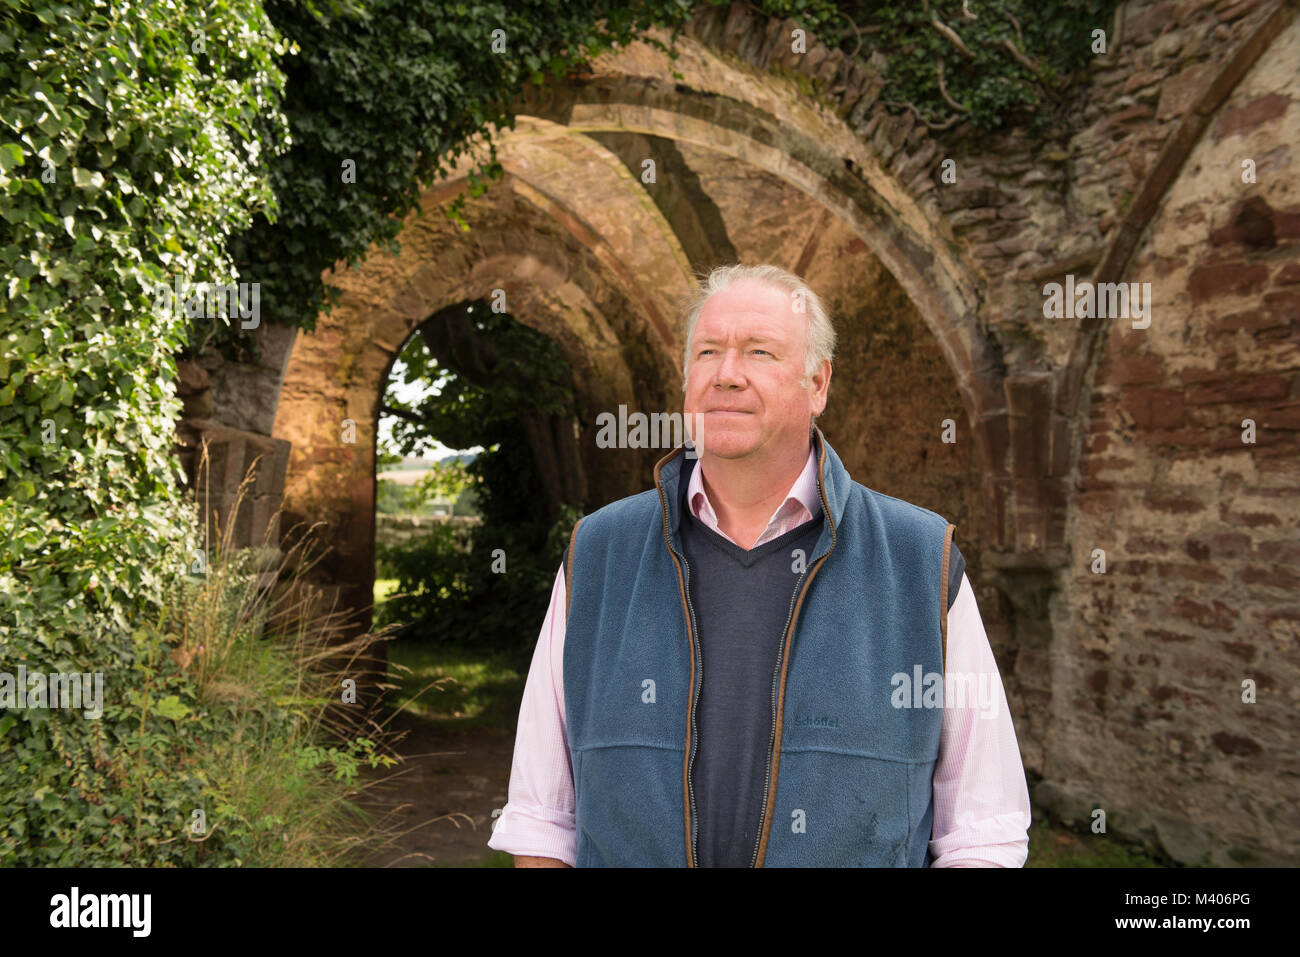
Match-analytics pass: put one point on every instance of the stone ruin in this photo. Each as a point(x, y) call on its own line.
point(1075, 437)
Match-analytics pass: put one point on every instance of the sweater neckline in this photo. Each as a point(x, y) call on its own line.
point(743, 556)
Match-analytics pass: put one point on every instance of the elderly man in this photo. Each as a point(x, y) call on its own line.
point(760, 662)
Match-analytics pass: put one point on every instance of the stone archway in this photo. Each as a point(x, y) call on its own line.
point(583, 253)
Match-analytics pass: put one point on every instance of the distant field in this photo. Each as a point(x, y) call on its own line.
point(406, 476)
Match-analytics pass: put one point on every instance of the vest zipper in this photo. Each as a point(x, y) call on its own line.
point(771, 745)
point(692, 820)
point(680, 560)
point(796, 601)
point(690, 760)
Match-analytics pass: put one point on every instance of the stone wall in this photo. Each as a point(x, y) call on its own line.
point(400, 529)
point(1199, 527)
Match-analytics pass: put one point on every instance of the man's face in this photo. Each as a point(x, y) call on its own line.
point(747, 363)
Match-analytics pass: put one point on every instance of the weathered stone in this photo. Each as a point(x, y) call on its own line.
point(1180, 93)
point(1258, 111)
point(1154, 408)
point(1225, 279)
point(192, 379)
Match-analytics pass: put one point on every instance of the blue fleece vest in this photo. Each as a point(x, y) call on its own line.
point(850, 776)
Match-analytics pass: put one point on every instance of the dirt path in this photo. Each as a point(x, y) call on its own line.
point(443, 796)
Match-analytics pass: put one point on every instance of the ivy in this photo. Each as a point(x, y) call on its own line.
point(133, 139)
point(383, 99)
point(989, 62)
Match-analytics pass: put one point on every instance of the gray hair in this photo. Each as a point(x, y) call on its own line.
point(821, 333)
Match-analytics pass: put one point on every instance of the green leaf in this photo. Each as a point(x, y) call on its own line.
point(85, 179)
point(172, 707)
point(11, 155)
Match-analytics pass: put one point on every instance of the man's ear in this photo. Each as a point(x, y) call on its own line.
point(820, 386)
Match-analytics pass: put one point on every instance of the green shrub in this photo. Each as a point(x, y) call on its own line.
point(455, 587)
point(224, 740)
point(132, 143)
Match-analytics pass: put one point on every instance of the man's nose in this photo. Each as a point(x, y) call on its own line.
point(729, 372)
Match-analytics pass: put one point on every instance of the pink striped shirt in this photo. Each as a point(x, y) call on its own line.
point(981, 800)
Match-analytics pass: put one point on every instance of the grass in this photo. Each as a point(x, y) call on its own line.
point(455, 687)
point(278, 755)
point(383, 588)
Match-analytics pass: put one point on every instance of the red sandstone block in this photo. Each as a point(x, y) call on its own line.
point(1288, 275)
point(1279, 614)
point(1262, 109)
point(1136, 82)
point(1286, 223)
point(1264, 445)
point(1225, 279)
point(1098, 464)
point(1214, 615)
point(1179, 93)
point(1230, 10)
point(1230, 544)
point(1274, 576)
point(1240, 649)
point(1097, 681)
point(1280, 552)
point(1184, 572)
point(1134, 370)
point(1250, 519)
point(1192, 439)
point(1284, 303)
point(1285, 416)
point(1232, 744)
point(1251, 223)
point(1135, 112)
point(1154, 408)
point(1097, 504)
point(1281, 450)
point(1145, 25)
point(1251, 389)
point(1139, 546)
point(1177, 504)
point(1192, 375)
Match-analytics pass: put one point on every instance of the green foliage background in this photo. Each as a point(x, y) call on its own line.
point(127, 158)
point(402, 88)
point(450, 586)
point(992, 86)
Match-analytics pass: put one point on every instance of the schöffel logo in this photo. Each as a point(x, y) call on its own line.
point(822, 721)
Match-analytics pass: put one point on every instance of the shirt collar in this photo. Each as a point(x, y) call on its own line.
point(804, 491)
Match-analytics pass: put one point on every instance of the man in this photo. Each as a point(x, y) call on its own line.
point(750, 665)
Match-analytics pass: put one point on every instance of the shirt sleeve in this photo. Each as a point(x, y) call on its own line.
point(538, 819)
point(981, 799)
